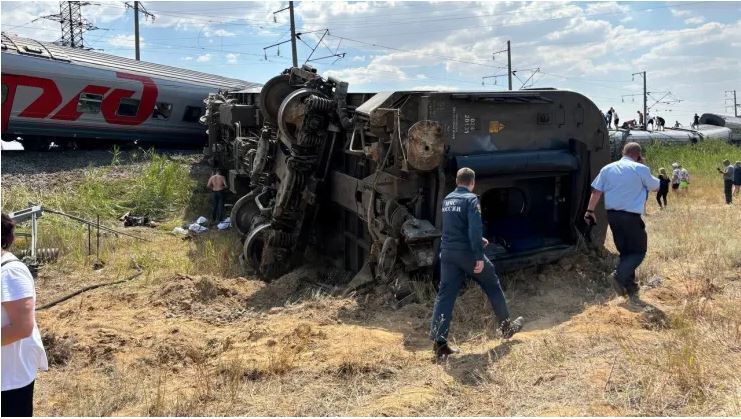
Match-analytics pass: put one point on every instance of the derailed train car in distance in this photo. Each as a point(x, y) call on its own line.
point(74, 96)
point(361, 177)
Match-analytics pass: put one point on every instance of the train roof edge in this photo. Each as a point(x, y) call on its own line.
point(721, 120)
point(51, 51)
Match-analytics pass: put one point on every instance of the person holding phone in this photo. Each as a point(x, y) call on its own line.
point(727, 172)
point(624, 184)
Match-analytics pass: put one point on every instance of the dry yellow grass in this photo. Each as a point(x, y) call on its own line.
point(192, 338)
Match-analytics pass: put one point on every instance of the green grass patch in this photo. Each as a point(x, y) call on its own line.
point(699, 159)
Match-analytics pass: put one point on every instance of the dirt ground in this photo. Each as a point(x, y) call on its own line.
point(188, 338)
point(206, 345)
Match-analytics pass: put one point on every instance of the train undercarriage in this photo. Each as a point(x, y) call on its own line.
point(360, 177)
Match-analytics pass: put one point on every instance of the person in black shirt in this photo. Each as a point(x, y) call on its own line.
point(663, 188)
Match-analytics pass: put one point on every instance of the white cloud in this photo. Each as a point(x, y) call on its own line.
point(680, 13)
point(358, 58)
point(606, 7)
point(188, 58)
point(231, 58)
point(125, 41)
point(218, 33)
point(435, 87)
point(204, 58)
point(697, 20)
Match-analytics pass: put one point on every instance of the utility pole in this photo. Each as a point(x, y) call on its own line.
point(735, 103)
point(510, 73)
point(72, 22)
point(136, 29)
point(293, 34)
point(509, 64)
point(137, 9)
point(645, 97)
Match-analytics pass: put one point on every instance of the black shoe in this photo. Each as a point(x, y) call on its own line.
point(619, 288)
point(442, 350)
point(635, 303)
point(509, 328)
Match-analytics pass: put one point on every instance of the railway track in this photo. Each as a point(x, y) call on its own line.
point(58, 168)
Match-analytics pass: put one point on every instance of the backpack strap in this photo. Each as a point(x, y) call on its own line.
point(15, 259)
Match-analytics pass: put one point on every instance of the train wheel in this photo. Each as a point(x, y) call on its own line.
point(243, 212)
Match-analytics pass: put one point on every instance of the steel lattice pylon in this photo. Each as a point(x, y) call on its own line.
point(72, 22)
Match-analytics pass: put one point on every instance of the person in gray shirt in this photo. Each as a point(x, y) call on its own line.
point(727, 172)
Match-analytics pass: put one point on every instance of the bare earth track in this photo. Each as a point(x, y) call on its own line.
point(184, 339)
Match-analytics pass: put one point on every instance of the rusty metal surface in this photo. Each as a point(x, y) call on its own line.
point(425, 145)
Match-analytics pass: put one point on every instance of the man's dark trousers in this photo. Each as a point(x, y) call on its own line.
point(218, 211)
point(728, 189)
point(454, 266)
point(629, 234)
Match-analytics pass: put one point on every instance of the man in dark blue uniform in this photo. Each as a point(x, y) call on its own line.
point(462, 253)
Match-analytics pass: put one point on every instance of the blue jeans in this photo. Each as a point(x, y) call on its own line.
point(217, 198)
point(454, 266)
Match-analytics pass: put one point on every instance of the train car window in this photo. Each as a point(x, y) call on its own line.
point(89, 103)
point(162, 110)
point(128, 107)
point(192, 113)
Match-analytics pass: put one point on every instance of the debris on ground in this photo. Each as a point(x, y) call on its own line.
point(179, 231)
point(225, 224)
point(136, 221)
point(197, 228)
point(655, 281)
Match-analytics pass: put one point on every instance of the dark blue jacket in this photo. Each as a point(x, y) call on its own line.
point(462, 228)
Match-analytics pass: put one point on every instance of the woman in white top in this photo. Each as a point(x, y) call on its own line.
point(22, 351)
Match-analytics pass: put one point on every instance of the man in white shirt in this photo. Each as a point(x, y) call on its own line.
point(625, 184)
point(22, 351)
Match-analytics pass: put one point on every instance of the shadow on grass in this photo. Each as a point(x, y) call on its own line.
point(470, 369)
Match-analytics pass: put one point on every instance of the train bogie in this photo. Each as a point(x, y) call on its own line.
point(361, 176)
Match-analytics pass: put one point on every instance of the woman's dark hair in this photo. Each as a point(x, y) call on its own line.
point(7, 232)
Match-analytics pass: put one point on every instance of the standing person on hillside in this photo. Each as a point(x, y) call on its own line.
point(217, 184)
point(663, 188)
point(675, 177)
point(737, 178)
point(684, 180)
point(727, 172)
point(624, 184)
point(617, 120)
point(462, 253)
point(22, 350)
point(696, 122)
point(640, 119)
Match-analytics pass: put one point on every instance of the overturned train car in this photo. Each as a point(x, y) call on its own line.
point(360, 177)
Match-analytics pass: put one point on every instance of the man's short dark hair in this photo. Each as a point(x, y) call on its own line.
point(7, 231)
point(465, 176)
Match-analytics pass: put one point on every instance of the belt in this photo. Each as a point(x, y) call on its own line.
point(624, 212)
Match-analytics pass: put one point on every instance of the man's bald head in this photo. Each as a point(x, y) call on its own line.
point(632, 150)
point(465, 177)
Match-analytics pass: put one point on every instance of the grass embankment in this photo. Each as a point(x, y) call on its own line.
point(214, 344)
point(147, 184)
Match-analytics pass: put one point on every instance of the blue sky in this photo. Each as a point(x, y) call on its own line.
point(692, 49)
